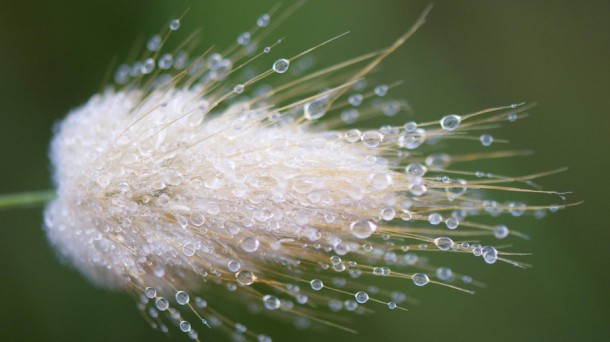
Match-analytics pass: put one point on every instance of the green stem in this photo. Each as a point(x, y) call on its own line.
point(26, 199)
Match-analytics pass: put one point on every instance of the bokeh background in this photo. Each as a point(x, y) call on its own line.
point(470, 55)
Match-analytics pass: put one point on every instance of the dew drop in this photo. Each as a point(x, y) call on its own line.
point(361, 297)
point(381, 90)
point(233, 266)
point(452, 223)
point(185, 326)
point(315, 109)
point(443, 243)
point(182, 297)
point(162, 304)
point(500, 231)
point(316, 284)
point(355, 100)
point(245, 277)
point(486, 139)
point(150, 292)
point(362, 229)
point(444, 273)
point(281, 66)
point(238, 89)
point(435, 218)
point(372, 138)
point(154, 43)
point(420, 279)
point(450, 122)
point(244, 38)
point(263, 20)
point(391, 305)
point(174, 24)
point(250, 244)
point(271, 302)
point(416, 170)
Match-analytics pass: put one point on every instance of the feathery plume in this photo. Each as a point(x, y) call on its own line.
point(187, 187)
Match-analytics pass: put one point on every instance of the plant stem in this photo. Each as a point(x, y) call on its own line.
point(26, 199)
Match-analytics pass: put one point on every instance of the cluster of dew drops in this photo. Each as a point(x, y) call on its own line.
point(362, 229)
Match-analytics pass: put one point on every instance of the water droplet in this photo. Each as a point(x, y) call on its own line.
point(162, 304)
point(355, 100)
point(238, 89)
point(353, 135)
point(500, 231)
point(244, 38)
point(444, 273)
point(486, 139)
point(185, 326)
point(450, 122)
point(388, 214)
point(234, 265)
point(316, 284)
point(435, 218)
point(443, 243)
point(391, 305)
point(416, 170)
point(188, 250)
point(150, 292)
point(362, 229)
point(420, 279)
point(154, 43)
point(361, 297)
point(174, 24)
point(263, 20)
point(490, 255)
point(267, 49)
point(182, 297)
point(245, 277)
point(372, 138)
point(452, 223)
point(271, 302)
point(381, 90)
point(315, 109)
point(281, 66)
point(250, 244)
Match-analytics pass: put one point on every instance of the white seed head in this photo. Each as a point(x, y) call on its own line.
point(177, 182)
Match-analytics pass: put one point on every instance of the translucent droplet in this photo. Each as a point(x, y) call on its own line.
point(391, 305)
point(267, 49)
point(500, 231)
point(315, 109)
point(154, 43)
point(148, 66)
point(165, 62)
point(162, 304)
point(150, 292)
point(250, 244)
point(444, 273)
point(271, 302)
point(174, 24)
point(245, 277)
point(244, 38)
point(361, 297)
point(182, 298)
point(450, 122)
point(490, 255)
point(486, 139)
point(353, 135)
point(435, 218)
point(512, 117)
point(316, 284)
point(381, 90)
point(372, 138)
point(443, 243)
point(185, 326)
point(452, 223)
point(188, 250)
point(420, 279)
point(362, 229)
point(388, 214)
point(238, 89)
point(281, 66)
point(263, 20)
point(234, 265)
point(416, 170)
point(355, 100)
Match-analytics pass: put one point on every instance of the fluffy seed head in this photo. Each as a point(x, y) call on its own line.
point(184, 179)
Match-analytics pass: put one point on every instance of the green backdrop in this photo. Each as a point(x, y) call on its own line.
point(470, 55)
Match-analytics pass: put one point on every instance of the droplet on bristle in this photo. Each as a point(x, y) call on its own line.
point(486, 139)
point(450, 122)
point(174, 24)
point(281, 65)
point(362, 229)
point(244, 38)
point(315, 109)
point(154, 43)
point(182, 297)
point(420, 279)
point(263, 20)
point(381, 90)
point(316, 284)
point(361, 297)
point(271, 302)
point(371, 138)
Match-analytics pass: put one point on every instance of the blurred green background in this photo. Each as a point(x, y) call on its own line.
point(470, 55)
